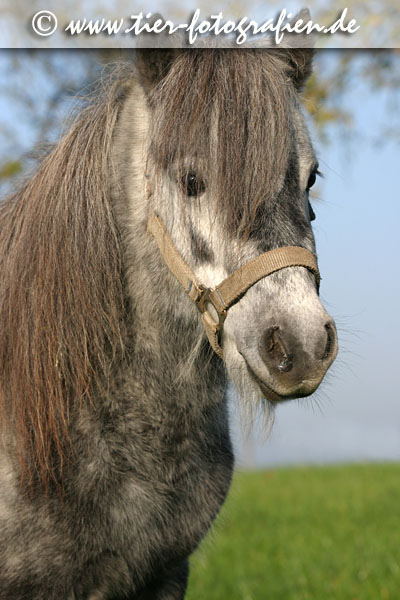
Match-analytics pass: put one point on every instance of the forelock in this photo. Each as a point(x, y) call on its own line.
point(233, 110)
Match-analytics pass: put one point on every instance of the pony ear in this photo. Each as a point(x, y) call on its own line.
point(155, 54)
point(300, 65)
point(299, 51)
point(153, 65)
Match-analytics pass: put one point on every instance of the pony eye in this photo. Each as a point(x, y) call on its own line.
point(311, 212)
point(312, 179)
point(192, 185)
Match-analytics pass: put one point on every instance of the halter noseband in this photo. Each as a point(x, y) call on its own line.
point(234, 286)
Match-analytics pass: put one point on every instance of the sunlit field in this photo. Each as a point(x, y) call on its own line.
point(302, 534)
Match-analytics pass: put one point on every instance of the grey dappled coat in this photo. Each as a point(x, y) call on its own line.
point(117, 453)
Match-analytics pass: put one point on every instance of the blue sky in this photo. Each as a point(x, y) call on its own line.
point(356, 415)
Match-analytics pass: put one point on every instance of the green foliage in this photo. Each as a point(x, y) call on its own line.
point(10, 168)
point(304, 534)
point(337, 74)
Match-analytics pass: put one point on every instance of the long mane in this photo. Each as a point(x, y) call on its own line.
point(61, 290)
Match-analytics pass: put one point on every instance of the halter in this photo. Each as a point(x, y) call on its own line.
point(234, 286)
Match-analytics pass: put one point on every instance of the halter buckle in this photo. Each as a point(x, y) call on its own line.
point(202, 303)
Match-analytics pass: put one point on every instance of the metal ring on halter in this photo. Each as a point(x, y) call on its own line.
point(205, 299)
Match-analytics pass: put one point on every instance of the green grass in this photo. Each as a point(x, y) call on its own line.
point(304, 533)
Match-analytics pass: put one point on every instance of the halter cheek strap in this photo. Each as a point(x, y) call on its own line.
point(233, 287)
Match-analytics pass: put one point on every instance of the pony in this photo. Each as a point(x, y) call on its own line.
point(116, 454)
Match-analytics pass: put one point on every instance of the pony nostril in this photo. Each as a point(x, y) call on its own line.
point(276, 352)
point(286, 365)
point(292, 359)
point(330, 341)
